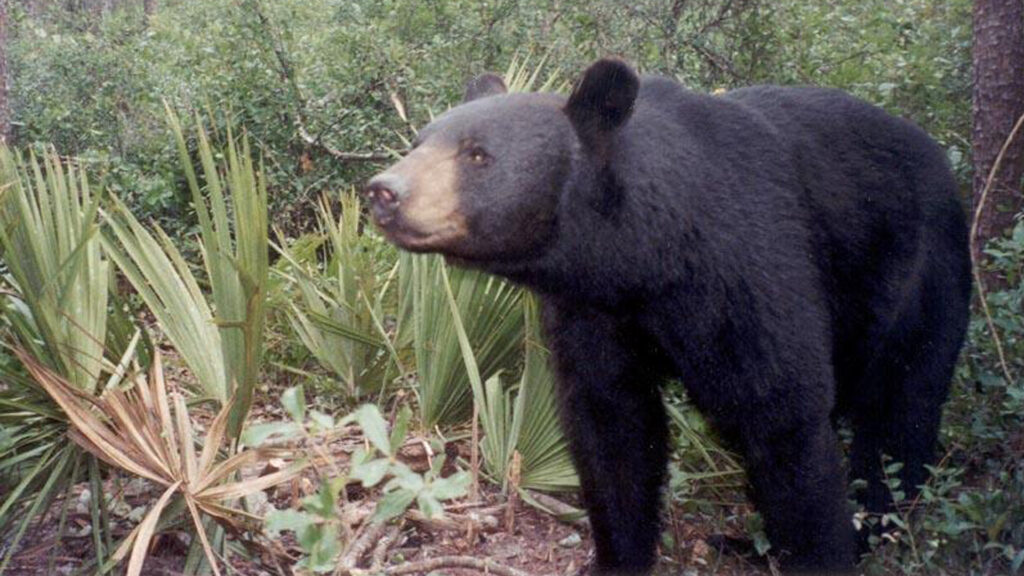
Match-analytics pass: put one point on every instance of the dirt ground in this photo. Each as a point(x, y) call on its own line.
point(536, 542)
point(531, 541)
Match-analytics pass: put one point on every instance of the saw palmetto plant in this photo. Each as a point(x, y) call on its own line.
point(523, 439)
point(489, 315)
point(147, 432)
point(56, 288)
point(54, 304)
point(339, 312)
point(221, 339)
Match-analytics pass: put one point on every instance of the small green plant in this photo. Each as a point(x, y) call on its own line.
point(489, 315)
point(323, 524)
point(523, 420)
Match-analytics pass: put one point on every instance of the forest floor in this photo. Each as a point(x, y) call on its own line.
point(516, 535)
point(530, 541)
point(536, 544)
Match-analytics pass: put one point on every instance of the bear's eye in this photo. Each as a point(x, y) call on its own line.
point(478, 155)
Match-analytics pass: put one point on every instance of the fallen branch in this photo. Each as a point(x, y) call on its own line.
point(371, 533)
point(454, 522)
point(424, 566)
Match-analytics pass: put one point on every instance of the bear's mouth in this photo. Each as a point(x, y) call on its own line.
point(399, 233)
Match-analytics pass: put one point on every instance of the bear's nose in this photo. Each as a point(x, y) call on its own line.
point(385, 191)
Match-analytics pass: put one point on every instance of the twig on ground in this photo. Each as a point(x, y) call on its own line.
point(424, 566)
point(368, 536)
point(558, 508)
point(455, 522)
point(380, 551)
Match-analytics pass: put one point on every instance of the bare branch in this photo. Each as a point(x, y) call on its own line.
point(339, 154)
point(287, 72)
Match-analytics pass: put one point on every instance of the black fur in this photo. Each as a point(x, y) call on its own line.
point(482, 86)
point(791, 254)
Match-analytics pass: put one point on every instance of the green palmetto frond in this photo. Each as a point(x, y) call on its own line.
point(490, 317)
point(54, 304)
point(56, 266)
point(222, 344)
point(338, 313)
point(536, 429)
point(524, 420)
point(525, 76)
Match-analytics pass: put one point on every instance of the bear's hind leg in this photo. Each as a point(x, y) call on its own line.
point(797, 485)
point(613, 414)
point(906, 383)
point(902, 422)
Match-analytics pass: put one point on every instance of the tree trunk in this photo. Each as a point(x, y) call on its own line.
point(998, 103)
point(5, 105)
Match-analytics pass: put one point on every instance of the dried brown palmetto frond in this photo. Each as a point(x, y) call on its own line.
point(147, 432)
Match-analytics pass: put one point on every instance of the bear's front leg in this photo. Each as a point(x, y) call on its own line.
point(612, 411)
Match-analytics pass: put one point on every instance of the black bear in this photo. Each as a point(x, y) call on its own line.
point(791, 254)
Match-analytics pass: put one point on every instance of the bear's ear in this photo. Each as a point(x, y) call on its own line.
point(603, 99)
point(484, 85)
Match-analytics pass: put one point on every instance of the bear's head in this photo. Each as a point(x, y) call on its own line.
point(485, 181)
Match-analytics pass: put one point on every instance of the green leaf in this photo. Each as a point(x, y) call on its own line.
point(437, 465)
point(430, 507)
point(454, 486)
point(294, 402)
point(370, 473)
point(309, 536)
point(323, 422)
point(258, 433)
point(374, 427)
point(288, 519)
point(406, 478)
point(401, 428)
point(325, 549)
point(359, 456)
point(393, 504)
point(322, 501)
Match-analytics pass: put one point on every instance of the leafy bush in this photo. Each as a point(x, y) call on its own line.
point(359, 75)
